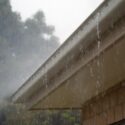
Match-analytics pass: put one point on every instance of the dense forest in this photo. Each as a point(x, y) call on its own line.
point(24, 46)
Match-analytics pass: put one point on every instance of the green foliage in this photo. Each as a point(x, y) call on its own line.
point(17, 115)
point(65, 115)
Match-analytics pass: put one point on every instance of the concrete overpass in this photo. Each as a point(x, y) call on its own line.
point(88, 65)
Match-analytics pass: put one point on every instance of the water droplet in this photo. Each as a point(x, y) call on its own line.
point(46, 85)
point(13, 54)
point(91, 71)
point(98, 84)
point(97, 26)
point(99, 43)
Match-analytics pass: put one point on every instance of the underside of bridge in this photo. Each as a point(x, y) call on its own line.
point(87, 72)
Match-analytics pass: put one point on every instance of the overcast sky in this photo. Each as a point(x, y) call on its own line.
point(65, 15)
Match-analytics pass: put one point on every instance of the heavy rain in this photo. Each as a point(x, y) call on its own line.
point(62, 62)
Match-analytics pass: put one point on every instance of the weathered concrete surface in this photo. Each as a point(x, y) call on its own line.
point(99, 74)
point(90, 62)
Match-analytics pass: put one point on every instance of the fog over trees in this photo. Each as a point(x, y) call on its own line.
point(24, 46)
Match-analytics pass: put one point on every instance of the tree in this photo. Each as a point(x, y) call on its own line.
point(23, 46)
point(10, 23)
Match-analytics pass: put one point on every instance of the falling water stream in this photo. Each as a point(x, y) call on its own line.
point(98, 82)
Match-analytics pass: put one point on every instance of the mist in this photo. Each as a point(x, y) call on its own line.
point(24, 47)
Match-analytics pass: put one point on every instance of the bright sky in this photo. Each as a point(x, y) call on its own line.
point(65, 15)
